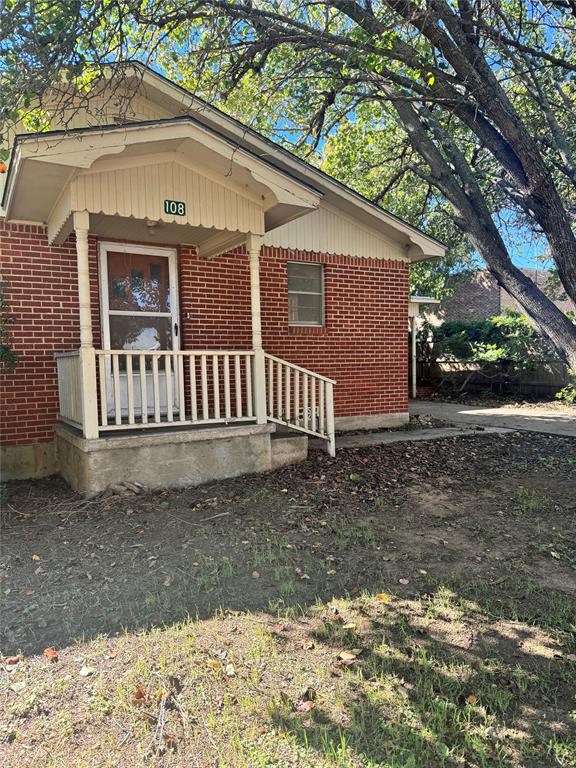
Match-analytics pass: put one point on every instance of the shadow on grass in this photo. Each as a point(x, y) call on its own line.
point(416, 701)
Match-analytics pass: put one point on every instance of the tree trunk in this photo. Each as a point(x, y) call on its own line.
point(550, 320)
point(472, 215)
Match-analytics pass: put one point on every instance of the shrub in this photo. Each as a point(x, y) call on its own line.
point(507, 338)
point(568, 393)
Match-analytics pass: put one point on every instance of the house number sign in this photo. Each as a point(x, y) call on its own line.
point(175, 207)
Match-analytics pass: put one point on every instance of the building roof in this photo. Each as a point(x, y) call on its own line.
point(188, 107)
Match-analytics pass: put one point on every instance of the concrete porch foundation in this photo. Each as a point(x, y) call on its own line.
point(374, 421)
point(170, 459)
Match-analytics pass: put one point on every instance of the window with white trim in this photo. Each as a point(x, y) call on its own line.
point(305, 293)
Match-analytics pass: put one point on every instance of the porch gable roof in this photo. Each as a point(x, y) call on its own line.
point(130, 170)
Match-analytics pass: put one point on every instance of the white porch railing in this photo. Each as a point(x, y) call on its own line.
point(70, 387)
point(300, 399)
point(163, 388)
point(107, 390)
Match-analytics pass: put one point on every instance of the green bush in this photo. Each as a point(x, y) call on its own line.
point(507, 338)
point(568, 393)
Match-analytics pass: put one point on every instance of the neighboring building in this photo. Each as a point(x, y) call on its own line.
point(180, 285)
point(478, 296)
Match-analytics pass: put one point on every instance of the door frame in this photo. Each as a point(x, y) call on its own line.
point(170, 253)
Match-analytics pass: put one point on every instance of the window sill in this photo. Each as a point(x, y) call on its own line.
point(307, 330)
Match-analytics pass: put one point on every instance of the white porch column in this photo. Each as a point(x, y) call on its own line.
point(253, 245)
point(87, 352)
point(81, 225)
point(413, 354)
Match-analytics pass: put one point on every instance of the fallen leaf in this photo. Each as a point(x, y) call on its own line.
point(383, 597)
point(349, 656)
point(305, 706)
point(51, 654)
point(35, 557)
point(404, 581)
point(555, 555)
point(139, 695)
point(171, 742)
point(255, 575)
point(471, 699)
point(214, 664)
point(86, 671)
point(11, 661)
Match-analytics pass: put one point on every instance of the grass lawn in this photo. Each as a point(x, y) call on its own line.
point(407, 606)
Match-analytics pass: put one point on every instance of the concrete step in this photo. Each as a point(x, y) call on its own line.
point(288, 448)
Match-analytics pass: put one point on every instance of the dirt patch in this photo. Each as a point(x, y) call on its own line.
point(475, 506)
point(450, 565)
point(490, 400)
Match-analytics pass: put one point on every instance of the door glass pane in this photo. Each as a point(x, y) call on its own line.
point(138, 282)
point(140, 333)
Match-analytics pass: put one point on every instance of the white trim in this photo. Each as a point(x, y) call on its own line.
point(202, 111)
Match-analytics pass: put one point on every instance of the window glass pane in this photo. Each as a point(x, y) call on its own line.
point(305, 277)
point(138, 282)
point(305, 308)
point(305, 293)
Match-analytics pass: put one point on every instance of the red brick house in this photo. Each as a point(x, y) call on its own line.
point(180, 287)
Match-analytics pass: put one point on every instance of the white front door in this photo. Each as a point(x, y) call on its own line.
point(139, 303)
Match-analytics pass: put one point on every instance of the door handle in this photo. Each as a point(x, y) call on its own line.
point(175, 329)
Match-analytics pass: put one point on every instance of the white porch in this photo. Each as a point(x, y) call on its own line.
point(103, 392)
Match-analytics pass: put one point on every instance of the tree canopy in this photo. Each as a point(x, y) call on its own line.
point(458, 114)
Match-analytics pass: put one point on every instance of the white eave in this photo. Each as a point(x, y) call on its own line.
point(245, 146)
point(415, 303)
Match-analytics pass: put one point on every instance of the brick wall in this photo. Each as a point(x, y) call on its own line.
point(42, 296)
point(363, 344)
